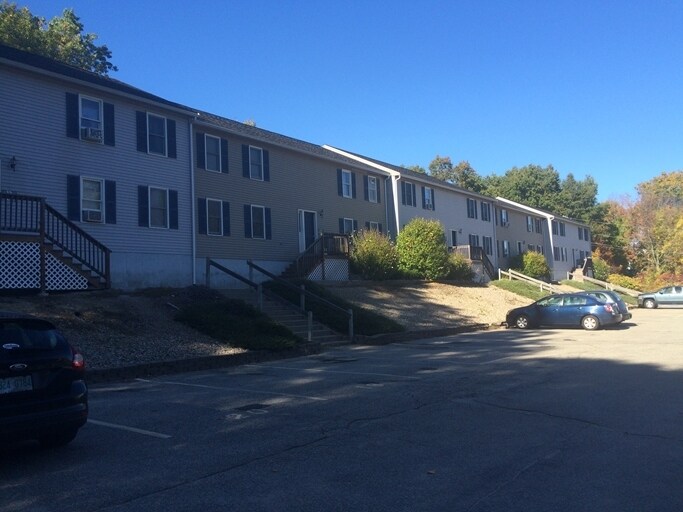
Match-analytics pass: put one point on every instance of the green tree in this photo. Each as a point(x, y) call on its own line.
point(61, 38)
point(441, 168)
point(374, 256)
point(415, 168)
point(422, 250)
point(532, 185)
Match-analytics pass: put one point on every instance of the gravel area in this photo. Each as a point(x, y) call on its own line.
point(427, 306)
point(115, 330)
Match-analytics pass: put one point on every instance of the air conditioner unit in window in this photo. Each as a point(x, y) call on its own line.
point(506, 224)
point(92, 216)
point(94, 134)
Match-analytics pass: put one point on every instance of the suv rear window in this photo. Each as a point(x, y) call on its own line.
point(29, 334)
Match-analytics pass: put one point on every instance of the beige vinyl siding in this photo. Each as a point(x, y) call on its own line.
point(297, 181)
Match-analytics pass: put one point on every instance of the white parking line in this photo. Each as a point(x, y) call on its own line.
point(321, 370)
point(129, 429)
point(243, 390)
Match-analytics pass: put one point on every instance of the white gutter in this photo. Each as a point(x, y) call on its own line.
point(395, 175)
point(549, 217)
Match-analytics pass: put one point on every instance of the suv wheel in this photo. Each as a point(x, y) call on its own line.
point(590, 323)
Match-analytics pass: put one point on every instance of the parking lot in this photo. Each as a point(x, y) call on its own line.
point(503, 420)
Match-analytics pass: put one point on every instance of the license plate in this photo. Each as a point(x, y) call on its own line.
point(16, 384)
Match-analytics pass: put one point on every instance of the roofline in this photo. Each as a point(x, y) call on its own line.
point(547, 215)
point(362, 160)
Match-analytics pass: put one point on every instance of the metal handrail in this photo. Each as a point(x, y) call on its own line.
point(329, 244)
point(257, 287)
point(305, 293)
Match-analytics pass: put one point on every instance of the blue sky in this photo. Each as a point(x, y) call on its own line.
point(591, 87)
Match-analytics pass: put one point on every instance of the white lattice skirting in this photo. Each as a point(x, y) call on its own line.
point(20, 269)
point(335, 270)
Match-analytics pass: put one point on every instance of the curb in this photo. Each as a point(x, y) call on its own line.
point(398, 337)
point(106, 375)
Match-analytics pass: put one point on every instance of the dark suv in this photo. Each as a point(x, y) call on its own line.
point(611, 297)
point(43, 394)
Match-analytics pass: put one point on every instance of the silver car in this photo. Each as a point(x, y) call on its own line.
point(667, 296)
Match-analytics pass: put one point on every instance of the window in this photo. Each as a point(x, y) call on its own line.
point(156, 132)
point(212, 153)
point(471, 208)
point(530, 247)
point(485, 211)
point(556, 253)
point(374, 226)
point(255, 163)
point(562, 229)
point(506, 248)
point(347, 184)
point(488, 245)
point(158, 207)
point(529, 223)
point(520, 248)
point(427, 198)
point(504, 218)
point(554, 227)
point(408, 196)
point(539, 226)
point(580, 233)
point(214, 217)
point(92, 200)
point(372, 188)
point(348, 226)
point(540, 249)
point(454, 238)
point(564, 253)
point(91, 119)
point(474, 241)
point(586, 235)
point(258, 222)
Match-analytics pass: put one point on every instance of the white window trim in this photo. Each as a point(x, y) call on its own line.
point(429, 198)
point(504, 217)
point(206, 154)
point(374, 225)
point(263, 217)
point(372, 189)
point(220, 216)
point(350, 221)
point(251, 175)
point(485, 211)
point(473, 210)
point(411, 195)
point(102, 200)
point(344, 175)
point(506, 248)
point(81, 97)
point(149, 207)
point(488, 247)
point(149, 134)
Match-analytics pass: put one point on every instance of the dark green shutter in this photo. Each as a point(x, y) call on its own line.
point(143, 206)
point(366, 181)
point(226, 219)
point(353, 185)
point(109, 131)
point(224, 155)
point(403, 192)
point(424, 199)
point(141, 130)
point(247, 221)
point(340, 186)
point(170, 136)
point(201, 216)
point(269, 234)
point(266, 165)
point(110, 202)
point(173, 209)
point(73, 197)
point(245, 163)
point(341, 225)
point(434, 200)
point(201, 150)
point(72, 122)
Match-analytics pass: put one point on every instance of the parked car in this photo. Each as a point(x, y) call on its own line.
point(669, 295)
point(43, 394)
point(611, 297)
point(565, 310)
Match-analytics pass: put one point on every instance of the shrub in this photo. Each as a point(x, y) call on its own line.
point(374, 256)
point(460, 268)
point(422, 250)
point(624, 281)
point(601, 269)
point(532, 264)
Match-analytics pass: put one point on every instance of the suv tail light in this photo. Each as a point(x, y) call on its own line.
point(609, 308)
point(77, 360)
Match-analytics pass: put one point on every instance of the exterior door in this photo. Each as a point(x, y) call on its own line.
point(308, 229)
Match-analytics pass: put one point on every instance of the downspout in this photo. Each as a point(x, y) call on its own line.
point(550, 237)
point(192, 204)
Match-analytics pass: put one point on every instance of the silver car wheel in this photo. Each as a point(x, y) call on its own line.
point(649, 304)
point(522, 322)
point(590, 323)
